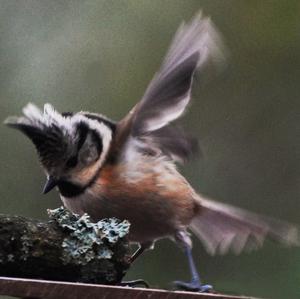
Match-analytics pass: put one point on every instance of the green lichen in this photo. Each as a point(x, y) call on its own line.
point(88, 241)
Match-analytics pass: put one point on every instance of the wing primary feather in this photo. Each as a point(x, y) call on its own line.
point(222, 227)
point(194, 45)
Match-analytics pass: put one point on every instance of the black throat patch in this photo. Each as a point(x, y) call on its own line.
point(68, 189)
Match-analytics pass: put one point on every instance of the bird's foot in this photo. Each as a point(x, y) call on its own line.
point(134, 283)
point(193, 286)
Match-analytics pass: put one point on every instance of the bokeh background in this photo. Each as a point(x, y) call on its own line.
point(100, 55)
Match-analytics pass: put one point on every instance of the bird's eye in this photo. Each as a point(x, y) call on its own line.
point(72, 162)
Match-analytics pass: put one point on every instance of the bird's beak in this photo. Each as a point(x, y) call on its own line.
point(50, 184)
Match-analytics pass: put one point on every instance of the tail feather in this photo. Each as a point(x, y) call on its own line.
point(222, 227)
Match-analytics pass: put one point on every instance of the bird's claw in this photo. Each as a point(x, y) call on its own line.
point(193, 286)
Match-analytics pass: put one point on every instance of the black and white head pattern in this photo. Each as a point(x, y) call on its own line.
point(64, 141)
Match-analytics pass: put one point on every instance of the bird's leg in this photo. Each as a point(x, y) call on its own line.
point(195, 284)
point(135, 255)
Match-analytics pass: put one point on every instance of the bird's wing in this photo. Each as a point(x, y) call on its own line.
point(222, 227)
point(168, 94)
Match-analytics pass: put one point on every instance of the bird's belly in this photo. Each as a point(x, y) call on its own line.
point(150, 218)
point(156, 200)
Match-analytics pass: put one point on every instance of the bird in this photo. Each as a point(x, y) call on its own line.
point(128, 169)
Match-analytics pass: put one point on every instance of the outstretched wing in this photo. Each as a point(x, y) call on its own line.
point(168, 94)
point(222, 227)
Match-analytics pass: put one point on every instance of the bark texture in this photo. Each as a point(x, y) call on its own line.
point(67, 248)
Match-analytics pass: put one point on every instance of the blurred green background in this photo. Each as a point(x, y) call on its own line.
point(100, 55)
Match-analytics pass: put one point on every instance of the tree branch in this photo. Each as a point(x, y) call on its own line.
point(68, 248)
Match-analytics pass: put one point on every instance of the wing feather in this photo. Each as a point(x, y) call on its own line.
point(168, 94)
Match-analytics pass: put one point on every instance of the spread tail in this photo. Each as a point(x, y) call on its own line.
point(222, 227)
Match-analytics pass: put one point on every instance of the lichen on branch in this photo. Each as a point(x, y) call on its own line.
point(68, 247)
point(87, 241)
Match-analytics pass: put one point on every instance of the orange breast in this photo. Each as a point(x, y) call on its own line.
point(155, 203)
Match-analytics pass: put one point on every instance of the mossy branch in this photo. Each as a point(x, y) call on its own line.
point(68, 248)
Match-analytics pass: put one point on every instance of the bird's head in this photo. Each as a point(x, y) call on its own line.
point(71, 147)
